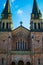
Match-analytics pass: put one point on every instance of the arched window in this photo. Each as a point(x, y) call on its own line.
point(16, 45)
point(20, 45)
point(23, 45)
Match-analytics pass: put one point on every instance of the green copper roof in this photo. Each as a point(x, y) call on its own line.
point(35, 10)
point(6, 10)
point(35, 7)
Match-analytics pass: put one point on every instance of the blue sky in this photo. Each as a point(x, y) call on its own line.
point(21, 11)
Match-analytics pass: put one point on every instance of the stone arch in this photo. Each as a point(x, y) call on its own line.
point(20, 62)
point(13, 63)
point(28, 63)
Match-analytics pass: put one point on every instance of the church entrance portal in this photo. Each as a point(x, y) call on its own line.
point(20, 63)
point(28, 63)
point(13, 63)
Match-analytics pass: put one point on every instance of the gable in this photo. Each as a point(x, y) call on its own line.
point(21, 38)
point(20, 29)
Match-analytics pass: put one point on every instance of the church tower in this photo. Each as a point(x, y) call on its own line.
point(6, 20)
point(36, 23)
point(36, 28)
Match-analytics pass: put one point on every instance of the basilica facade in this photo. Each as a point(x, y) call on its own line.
point(21, 46)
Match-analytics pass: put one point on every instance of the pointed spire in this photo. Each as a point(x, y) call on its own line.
point(6, 10)
point(35, 7)
point(35, 11)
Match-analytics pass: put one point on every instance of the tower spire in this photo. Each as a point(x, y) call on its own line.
point(6, 18)
point(35, 7)
point(35, 11)
point(36, 16)
point(6, 10)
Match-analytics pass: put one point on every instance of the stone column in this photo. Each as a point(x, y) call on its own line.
point(33, 25)
point(37, 25)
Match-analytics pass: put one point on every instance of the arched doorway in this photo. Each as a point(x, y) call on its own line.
point(13, 63)
point(28, 63)
point(20, 63)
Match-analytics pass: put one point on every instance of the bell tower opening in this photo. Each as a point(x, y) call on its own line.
point(3, 25)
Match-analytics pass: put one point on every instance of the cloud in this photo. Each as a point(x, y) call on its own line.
point(4, 4)
point(19, 11)
point(12, 0)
